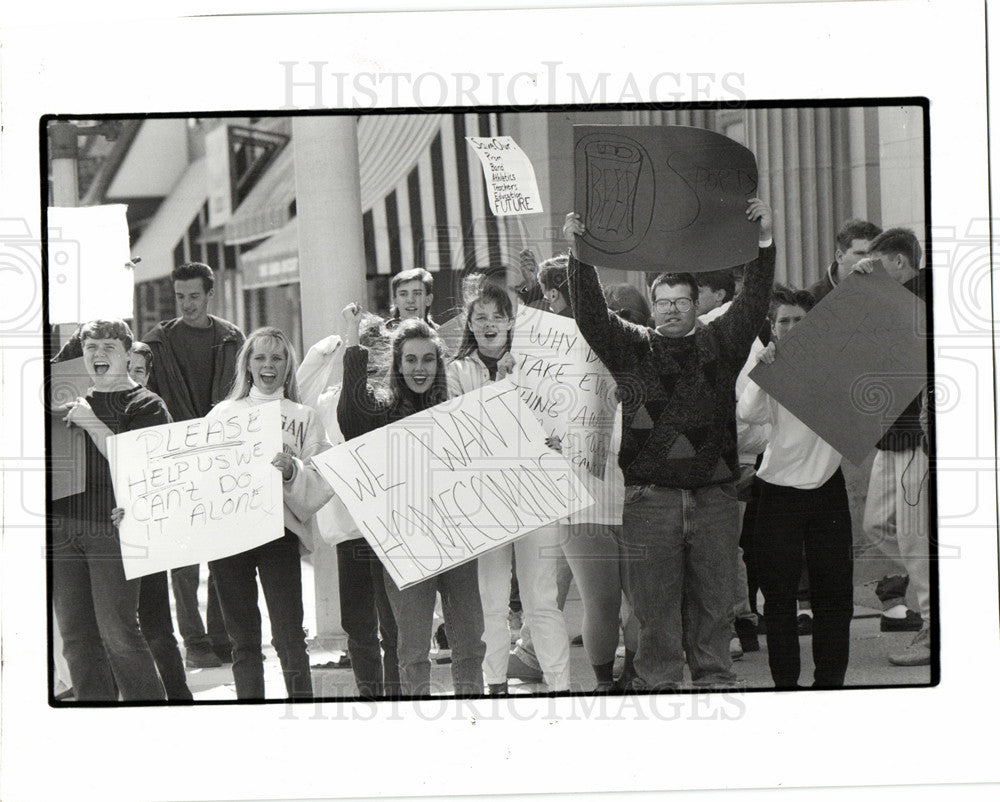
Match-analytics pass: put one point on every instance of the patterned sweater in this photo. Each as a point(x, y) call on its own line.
point(678, 394)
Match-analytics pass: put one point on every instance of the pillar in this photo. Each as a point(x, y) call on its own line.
point(331, 275)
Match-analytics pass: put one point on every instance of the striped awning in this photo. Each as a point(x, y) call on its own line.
point(423, 198)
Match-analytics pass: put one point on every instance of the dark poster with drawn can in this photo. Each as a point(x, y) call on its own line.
point(663, 198)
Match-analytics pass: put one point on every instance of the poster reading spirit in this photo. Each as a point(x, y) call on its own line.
point(438, 488)
point(663, 198)
point(197, 490)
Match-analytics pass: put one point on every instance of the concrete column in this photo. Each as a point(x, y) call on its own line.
point(331, 275)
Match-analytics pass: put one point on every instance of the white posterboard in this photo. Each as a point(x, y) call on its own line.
point(197, 490)
point(510, 178)
point(88, 251)
point(439, 488)
point(565, 385)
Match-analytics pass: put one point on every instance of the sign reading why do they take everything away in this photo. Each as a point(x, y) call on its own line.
point(197, 490)
point(510, 179)
point(438, 488)
point(565, 385)
point(663, 198)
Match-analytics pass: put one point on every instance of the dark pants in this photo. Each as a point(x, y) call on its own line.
point(185, 585)
point(413, 608)
point(277, 564)
point(158, 630)
point(96, 611)
point(365, 613)
point(819, 521)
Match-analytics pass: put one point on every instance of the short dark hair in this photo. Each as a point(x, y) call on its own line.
point(788, 296)
point(107, 330)
point(553, 274)
point(674, 280)
point(856, 229)
point(901, 242)
point(191, 270)
point(144, 351)
point(717, 280)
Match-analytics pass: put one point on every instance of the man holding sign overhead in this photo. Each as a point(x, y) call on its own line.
point(678, 454)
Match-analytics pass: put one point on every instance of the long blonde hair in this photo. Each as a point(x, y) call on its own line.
point(244, 379)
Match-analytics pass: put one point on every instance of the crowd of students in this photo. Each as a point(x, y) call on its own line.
point(716, 491)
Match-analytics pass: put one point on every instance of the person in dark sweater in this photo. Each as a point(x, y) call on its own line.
point(194, 362)
point(852, 241)
point(96, 606)
point(416, 382)
point(898, 486)
point(678, 455)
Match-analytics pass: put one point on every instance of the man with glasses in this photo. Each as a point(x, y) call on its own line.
point(678, 453)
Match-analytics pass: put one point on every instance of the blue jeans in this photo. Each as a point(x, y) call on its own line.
point(185, 585)
point(365, 613)
point(413, 609)
point(158, 630)
point(280, 572)
point(96, 611)
point(680, 553)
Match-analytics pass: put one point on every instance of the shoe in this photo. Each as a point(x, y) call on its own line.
point(498, 689)
point(442, 638)
point(911, 622)
point(605, 687)
point(918, 653)
point(746, 631)
point(201, 656)
point(514, 620)
point(224, 653)
point(761, 627)
point(577, 641)
point(805, 623)
point(518, 669)
point(735, 649)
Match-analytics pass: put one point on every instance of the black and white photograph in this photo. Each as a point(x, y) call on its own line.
point(383, 405)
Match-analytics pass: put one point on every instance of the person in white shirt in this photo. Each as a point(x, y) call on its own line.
point(803, 508)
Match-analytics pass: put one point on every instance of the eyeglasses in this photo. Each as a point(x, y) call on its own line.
point(667, 305)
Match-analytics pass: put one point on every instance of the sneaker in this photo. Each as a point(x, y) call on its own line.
point(746, 631)
point(805, 623)
point(577, 641)
point(442, 638)
point(911, 622)
point(918, 653)
point(604, 688)
point(518, 669)
point(735, 649)
point(514, 620)
point(498, 689)
point(224, 653)
point(201, 656)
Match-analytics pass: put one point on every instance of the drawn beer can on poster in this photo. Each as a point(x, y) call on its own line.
point(619, 175)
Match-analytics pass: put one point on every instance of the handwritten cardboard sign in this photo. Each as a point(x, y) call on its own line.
point(510, 178)
point(853, 364)
point(88, 247)
point(439, 488)
point(663, 198)
point(565, 385)
point(68, 381)
point(197, 490)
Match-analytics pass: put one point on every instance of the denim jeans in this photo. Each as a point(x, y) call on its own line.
point(681, 552)
point(158, 630)
point(413, 609)
point(185, 586)
point(277, 563)
point(365, 613)
point(819, 520)
point(96, 611)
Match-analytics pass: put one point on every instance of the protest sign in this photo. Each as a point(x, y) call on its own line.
point(88, 242)
point(853, 364)
point(510, 178)
point(437, 489)
point(565, 385)
point(197, 490)
point(663, 198)
point(68, 381)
